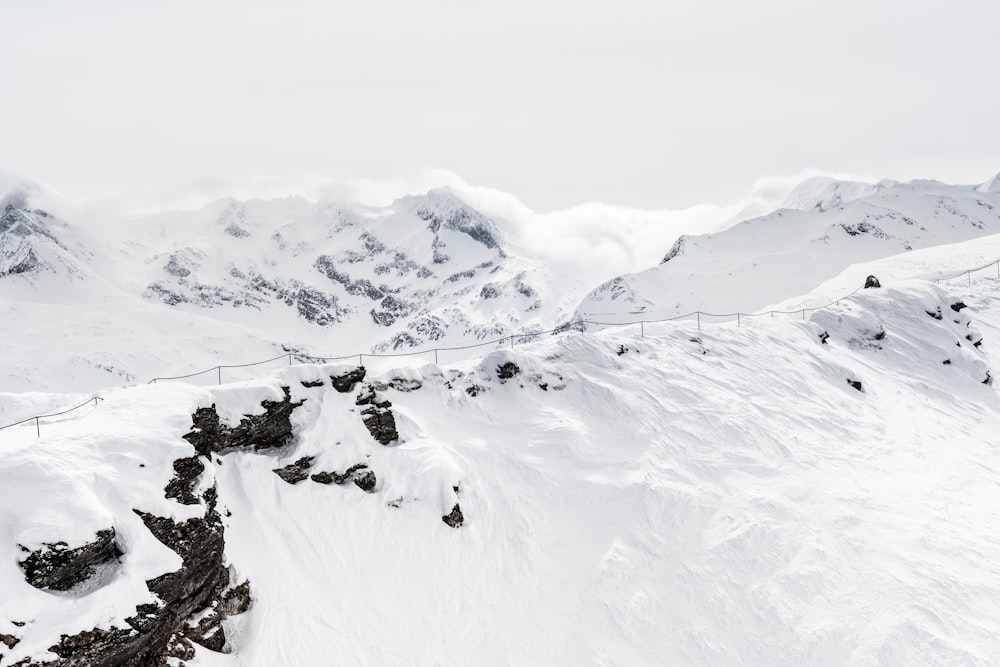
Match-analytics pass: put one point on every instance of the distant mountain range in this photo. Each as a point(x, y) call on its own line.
point(826, 226)
point(238, 281)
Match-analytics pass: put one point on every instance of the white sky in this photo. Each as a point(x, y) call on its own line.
point(643, 104)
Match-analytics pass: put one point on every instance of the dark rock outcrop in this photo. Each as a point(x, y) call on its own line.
point(295, 472)
point(855, 384)
point(508, 370)
point(158, 631)
point(335, 477)
point(377, 417)
point(366, 481)
point(181, 487)
point(59, 568)
point(958, 306)
point(872, 281)
point(257, 432)
point(346, 382)
point(454, 518)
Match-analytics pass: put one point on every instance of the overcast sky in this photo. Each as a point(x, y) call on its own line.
point(644, 104)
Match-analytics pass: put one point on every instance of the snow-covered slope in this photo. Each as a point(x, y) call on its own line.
point(829, 226)
point(749, 495)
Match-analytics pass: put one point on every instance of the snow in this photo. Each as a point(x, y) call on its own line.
point(713, 497)
point(697, 493)
point(790, 252)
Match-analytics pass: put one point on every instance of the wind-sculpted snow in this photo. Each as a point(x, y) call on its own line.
point(816, 492)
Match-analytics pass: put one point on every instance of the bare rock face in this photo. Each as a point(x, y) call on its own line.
point(454, 518)
point(872, 281)
point(377, 417)
point(59, 568)
point(366, 481)
point(186, 473)
point(295, 472)
point(356, 472)
point(508, 370)
point(345, 383)
point(256, 432)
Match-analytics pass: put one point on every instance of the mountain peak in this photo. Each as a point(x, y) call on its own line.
point(991, 186)
point(823, 193)
point(442, 208)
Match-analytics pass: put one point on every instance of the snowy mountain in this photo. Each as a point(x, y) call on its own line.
point(321, 279)
point(241, 281)
point(813, 490)
point(826, 226)
point(29, 246)
point(819, 492)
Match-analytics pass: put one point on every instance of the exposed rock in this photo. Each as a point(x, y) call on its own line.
point(257, 432)
point(345, 383)
point(295, 472)
point(936, 315)
point(186, 473)
point(507, 370)
point(10, 641)
point(381, 423)
point(208, 631)
point(161, 630)
point(473, 390)
point(366, 481)
point(958, 306)
point(823, 337)
point(455, 518)
point(378, 418)
point(855, 384)
point(675, 250)
point(339, 478)
point(872, 281)
point(59, 568)
point(311, 384)
point(405, 384)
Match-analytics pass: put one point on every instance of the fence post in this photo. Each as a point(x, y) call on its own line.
point(512, 342)
point(435, 355)
point(642, 329)
point(38, 429)
point(361, 361)
point(737, 320)
point(969, 274)
point(803, 313)
point(220, 374)
point(699, 320)
point(289, 358)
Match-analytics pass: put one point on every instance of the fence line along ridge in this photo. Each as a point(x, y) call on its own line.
point(569, 326)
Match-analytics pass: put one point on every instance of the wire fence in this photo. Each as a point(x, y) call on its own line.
point(37, 418)
point(576, 325)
